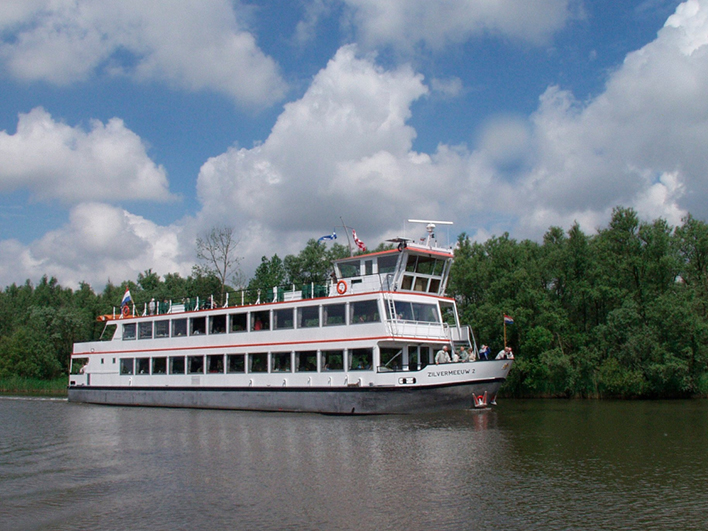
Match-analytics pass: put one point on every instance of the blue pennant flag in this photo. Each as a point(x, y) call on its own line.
point(332, 236)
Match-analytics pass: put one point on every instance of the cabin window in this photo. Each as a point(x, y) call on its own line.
point(349, 268)
point(280, 362)
point(142, 366)
point(283, 319)
point(361, 359)
point(162, 328)
point(332, 360)
point(426, 357)
point(197, 326)
point(334, 314)
point(260, 320)
point(434, 285)
point(177, 365)
point(421, 284)
point(368, 267)
point(217, 324)
point(179, 327)
point(108, 332)
point(129, 331)
point(215, 363)
point(126, 365)
point(239, 322)
point(159, 365)
point(258, 362)
point(308, 317)
point(387, 264)
point(391, 359)
point(235, 363)
point(195, 364)
point(78, 364)
point(306, 361)
point(365, 312)
point(413, 311)
point(145, 330)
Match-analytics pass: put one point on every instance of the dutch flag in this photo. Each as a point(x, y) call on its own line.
point(126, 298)
point(508, 320)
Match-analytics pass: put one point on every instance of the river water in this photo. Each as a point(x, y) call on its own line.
point(525, 465)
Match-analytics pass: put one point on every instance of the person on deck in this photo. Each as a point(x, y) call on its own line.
point(484, 353)
point(505, 354)
point(442, 356)
point(464, 355)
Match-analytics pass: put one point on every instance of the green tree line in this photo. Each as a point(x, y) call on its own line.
point(620, 313)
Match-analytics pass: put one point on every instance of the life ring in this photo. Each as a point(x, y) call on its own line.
point(341, 287)
point(125, 311)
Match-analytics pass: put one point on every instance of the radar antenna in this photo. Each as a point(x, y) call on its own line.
point(430, 227)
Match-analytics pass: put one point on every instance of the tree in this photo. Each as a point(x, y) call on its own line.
point(217, 252)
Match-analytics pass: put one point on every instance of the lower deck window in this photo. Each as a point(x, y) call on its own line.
point(365, 312)
point(179, 327)
point(215, 363)
point(217, 324)
point(126, 365)
point(77, 365)
point(391, 359)
point(195, 364)
point(281, 361)
point(235, 363)
point(306, 361)
point(361, 359)
point(159, 365)
point(142, 366)
point(177, 365)
point(332, 360)
point(258, 362)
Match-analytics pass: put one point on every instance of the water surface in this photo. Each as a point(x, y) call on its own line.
point(525, 465)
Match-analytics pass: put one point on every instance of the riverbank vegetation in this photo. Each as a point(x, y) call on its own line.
point(620, 313)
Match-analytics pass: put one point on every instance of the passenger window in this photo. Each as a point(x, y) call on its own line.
point(129, 331)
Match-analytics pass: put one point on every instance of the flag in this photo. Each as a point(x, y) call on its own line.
point(126, 298)
point(359, 243)
point(508, 320)
point(332, 236)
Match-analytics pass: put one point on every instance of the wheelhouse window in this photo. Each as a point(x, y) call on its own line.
point(179, 327)
point(159, 365)
point(334, 314)
point(280, 361)
point(177, 365)
point(308, 317)
point(215, 363)
point(332, 360)
point(306, 361)
point(195, 364)
point(129, 331)
point(350, 268)
point(361, 359)
point(162, 328)
point(365, 312)
point(217, 324)
point(197, 326)
point(235, 363)
point(260, 321)
point(78, 364)
point(258, 362)
point(145, 330)
point(238, 322)
point(126, 365)
point(387, 263)
point(283, 319)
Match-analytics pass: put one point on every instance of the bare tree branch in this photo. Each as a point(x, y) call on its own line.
point(217, 252)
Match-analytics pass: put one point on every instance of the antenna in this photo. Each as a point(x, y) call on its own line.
point(430, 227)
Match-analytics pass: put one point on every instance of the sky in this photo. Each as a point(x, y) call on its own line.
point(128, 129)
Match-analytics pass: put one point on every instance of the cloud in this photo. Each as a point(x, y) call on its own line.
point(404, 24)
point(189, 44)
point(56, 161)
point(100, 242)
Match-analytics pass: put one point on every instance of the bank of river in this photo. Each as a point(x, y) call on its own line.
point(529, 464)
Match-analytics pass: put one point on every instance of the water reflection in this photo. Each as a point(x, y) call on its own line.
point(526, 465)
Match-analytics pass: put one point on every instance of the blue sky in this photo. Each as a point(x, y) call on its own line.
point(129, 128)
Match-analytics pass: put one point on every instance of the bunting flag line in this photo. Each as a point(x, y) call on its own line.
point(359, 243)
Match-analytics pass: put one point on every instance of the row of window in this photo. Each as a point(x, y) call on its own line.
point(358, 359)
point(278, 319)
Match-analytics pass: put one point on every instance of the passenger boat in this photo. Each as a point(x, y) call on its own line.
point(365, 343)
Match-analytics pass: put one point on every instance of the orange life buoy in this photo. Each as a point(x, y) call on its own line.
point(125, 311)
point(341, 287)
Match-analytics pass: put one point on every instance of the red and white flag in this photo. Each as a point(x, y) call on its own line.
point(359, 243)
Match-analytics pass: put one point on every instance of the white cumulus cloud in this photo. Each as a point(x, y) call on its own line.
point(189, 44)
point(56, 161)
